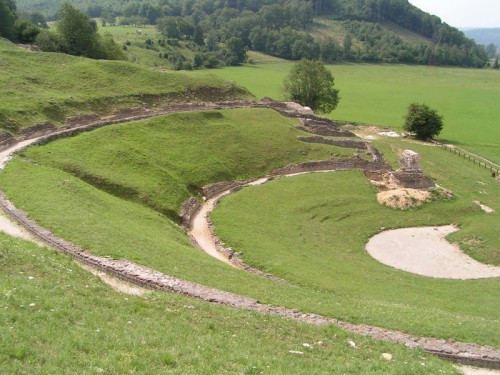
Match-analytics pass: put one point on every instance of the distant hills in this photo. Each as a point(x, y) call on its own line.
point(392, 31)
point(484, 36)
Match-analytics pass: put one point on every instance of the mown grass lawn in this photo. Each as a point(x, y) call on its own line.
point(111, 191)
point(379, 94)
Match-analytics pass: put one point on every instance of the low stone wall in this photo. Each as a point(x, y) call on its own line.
point(188, 210)
point(335, 142)
point(210, 191)
point(413, 180)
point(79, 120)
point(36, 130)
point(6, 140)
point(332, 164)
point(321, 126)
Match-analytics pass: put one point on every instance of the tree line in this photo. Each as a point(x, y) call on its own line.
point(75, 33)
point(283, 28)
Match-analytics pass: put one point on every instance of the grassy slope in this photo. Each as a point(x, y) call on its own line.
point(109, 225)
point(161, 161)
point(48, 86)
point(57, 318)
point(380, 94)
point(322, 237)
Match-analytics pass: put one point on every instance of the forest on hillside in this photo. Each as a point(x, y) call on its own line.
point(288, 28)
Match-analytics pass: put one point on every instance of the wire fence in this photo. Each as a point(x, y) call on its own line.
point(494, 169)
point(476, 160)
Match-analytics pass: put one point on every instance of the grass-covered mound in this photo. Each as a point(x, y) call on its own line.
point(57, 318)
point(75, 187)
point(36, 86)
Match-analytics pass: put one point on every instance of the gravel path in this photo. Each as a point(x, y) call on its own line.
point(425, 251)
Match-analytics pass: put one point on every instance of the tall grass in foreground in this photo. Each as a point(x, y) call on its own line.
point(58, 319)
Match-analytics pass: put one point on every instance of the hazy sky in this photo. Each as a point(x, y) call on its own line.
point(463, 13)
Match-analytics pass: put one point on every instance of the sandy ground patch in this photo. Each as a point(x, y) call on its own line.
point(403, 198)
point(389, 134)
point(485, 208)
point(467, 370)
point(114, 282)
point(425, 251)
point(10, 227)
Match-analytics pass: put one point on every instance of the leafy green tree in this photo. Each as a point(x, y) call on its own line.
point(198, 36)
point(311, 84)
point(169, 27)
point(26, 31)
point(108, 18)
point(8, 19)
point(49, 41)
point(496, 64)
point(77, 31)
point(38, 19)
point(423, 121)
point(238, 51)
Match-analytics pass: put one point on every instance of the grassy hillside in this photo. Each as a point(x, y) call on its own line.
point(107, 198)
point(380, 94)
point(37, 87)
point(57, 318)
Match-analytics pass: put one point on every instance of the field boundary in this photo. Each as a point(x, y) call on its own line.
point(471, 157)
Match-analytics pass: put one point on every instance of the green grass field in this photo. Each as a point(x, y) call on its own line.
point(107, 198)
point(380, 94)
point(57, 318)
point(37, 87)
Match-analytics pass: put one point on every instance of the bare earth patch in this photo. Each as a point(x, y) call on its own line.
point(425, 251)
point(114, 282)
point(468, 370)
point(403, 198)
point(486, 209)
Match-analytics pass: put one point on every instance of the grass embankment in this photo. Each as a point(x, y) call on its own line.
point(380, 94)
point(57, 318)
point(161, 158)
point(36, 86)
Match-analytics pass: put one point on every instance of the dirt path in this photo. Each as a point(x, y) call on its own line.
point(200, 226)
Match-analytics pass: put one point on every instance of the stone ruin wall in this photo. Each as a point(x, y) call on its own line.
point(335, 142)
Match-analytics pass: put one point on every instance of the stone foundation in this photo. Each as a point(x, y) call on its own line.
point(335, 142)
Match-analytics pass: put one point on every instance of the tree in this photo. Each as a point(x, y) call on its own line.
point(26, 31)
point(8, 19)
point(311, 84)
point(423, 121)
point(237, 51)
point(77, 31)
point(496, 64)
